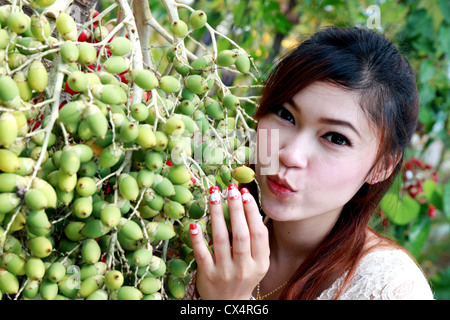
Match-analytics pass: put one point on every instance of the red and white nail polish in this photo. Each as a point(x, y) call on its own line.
point(193, 229)
point(233, 192)
point(214, 195)
point(246, 197)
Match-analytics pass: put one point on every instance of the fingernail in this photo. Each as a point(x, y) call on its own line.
point(214, 195)
point(193, 229)
point(246, 196)
point(233, 192)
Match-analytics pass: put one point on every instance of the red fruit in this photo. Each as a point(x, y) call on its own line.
point(431, 211)
point(92, 67)
point(169, 163)
point(84, 36)
point(434, 176)
point(96, 23)
point(146, 95)
point(413, 191)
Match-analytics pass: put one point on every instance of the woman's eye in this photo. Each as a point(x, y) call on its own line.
point(283, 113)
point(337, 139)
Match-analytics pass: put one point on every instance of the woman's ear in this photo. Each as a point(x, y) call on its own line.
point(383, 169)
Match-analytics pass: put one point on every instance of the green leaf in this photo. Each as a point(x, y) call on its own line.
point(444, 31)
point(446, 200)
point(426, 71)
point(238, 13)
point(418, 234)
point(444, 6)
point(433, 194)
point(400, 210)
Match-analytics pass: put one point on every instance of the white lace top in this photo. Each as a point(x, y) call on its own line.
point(380, 275)
point(383, 275)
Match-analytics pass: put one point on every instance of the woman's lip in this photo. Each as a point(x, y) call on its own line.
point(277, 189)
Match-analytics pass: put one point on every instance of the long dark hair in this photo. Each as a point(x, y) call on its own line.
point(367, 63)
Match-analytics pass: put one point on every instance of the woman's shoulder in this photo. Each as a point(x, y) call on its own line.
point(386, 274)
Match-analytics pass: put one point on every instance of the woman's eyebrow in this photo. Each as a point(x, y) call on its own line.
point(327, 120)
point(339, 123)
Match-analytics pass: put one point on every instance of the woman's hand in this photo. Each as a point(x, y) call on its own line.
point(232, 272)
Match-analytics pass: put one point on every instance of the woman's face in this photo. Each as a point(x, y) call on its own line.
point(322, 145)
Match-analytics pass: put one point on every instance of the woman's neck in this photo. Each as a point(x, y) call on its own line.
point(293, 241)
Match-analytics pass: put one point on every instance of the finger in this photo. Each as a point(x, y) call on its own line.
point(259, 235)
point(219, 229)
point(241, 233)
point(202, 254)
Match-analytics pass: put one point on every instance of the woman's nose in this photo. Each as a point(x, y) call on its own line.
point(294, 151)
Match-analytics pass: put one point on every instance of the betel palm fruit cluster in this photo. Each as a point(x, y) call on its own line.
point(97, 187)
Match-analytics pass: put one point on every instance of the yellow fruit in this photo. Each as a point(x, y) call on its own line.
point(226, 58)
point(146, 137)
point(242, 63)
point(69, 162)
point(163, 186)
point(9, 162)
point(56, 272)
point(35, 200)
point(169, 84)
point(9, 91)
point(243, 174)
point(177, 268)
point(40, 27)
point(196, 84)
point(82, 207)
point(37, 76)
point(128, 187)
point(87, 54)
point(120, 46)
point(48, 290)
point(173, 209)
point(90, 251)
point(142, 257)
point(96, 121)
point(66, 26)
point(179, 174)
point(8, 129)
point(35, 268)
point(21, 80)
point(179, 28)
point(149, 285)
point(114, 279)
point(73, 230)
point(110, 156)
point(197, 19)
point(117, 64)
point(41, 247)
point(77, 81)
point(8, 282)
point(174, 126)
point(18, 22)
point(129, 293)
point(41, 3)
point(110, 215)
point(131, 230)
point(145, 79)
point(176, 286)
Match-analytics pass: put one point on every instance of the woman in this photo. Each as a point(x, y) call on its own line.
point(343, 106)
